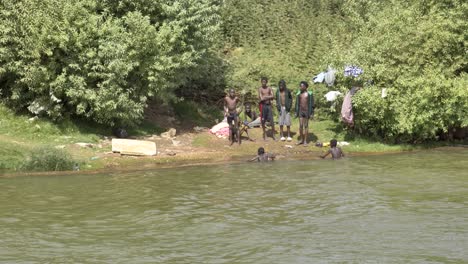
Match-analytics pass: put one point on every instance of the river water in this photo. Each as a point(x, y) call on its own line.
point(395, 208)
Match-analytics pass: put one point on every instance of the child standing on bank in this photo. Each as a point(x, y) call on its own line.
point(284, 104)
point(305, 111)
point(265, 95)
point(230, 111)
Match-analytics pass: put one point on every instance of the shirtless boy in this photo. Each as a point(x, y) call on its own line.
point(335, 151)
point(262, 156)
point(265, 95)
point(230, 111)
point(304, 110)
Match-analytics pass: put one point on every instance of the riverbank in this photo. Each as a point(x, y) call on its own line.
point(90, 146)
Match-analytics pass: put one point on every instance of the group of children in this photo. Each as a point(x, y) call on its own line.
point(304, 110)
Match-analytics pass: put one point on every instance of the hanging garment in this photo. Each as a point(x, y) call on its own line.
point(347, 115)
point(332, 95)
point(319, 78)
point(352, 70)
point(330, 76)
point(384, 92)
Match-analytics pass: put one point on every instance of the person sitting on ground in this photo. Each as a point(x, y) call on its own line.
point(262, 156)
point(230, 111)
point(252, 115)
point(245, 125)
point(335, 151)
point(284, 104)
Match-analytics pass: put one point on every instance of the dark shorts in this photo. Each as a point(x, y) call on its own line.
point(304, 114)
point(267, 113)
point(305, 119)
point(231, 117)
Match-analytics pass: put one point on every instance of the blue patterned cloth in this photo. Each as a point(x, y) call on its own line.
point(352, 70)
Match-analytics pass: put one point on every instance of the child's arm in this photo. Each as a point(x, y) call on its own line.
point(253, 159)
point(326, 154)
point(225, 107)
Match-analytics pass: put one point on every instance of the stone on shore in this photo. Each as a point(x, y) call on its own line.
point(84, 145)
point(169, 134)
point(134, 147)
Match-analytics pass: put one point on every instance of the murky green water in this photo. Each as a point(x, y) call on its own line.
point(403, 208)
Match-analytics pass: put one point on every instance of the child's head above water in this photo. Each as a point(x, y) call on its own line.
point(333, 143)
point(261, 151)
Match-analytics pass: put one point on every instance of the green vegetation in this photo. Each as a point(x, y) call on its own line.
point(11, 154)
point(84, 67)
point(101, 60)
point(20, 135)
point(197, 114)
point(41, 130)
point(48, 159)
point(416, 50)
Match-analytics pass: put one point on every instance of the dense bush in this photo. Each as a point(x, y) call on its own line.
point(416, 50)
point(100, 59)
point(48, 159)
point(279, 39)
point(103, 60)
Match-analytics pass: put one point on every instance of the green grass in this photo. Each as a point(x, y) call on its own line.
point(47, 158)
point(325, 130)
point(202, 140)
point(19, 136)
point(42, 131)
point(11, 155)
point(322, 130)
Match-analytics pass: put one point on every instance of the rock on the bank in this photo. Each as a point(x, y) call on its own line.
point(170, 133)
point(134, 147)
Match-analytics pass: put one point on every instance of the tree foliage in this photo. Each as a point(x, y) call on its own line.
point(416, 50)
point(279, 39)
point(101, 60)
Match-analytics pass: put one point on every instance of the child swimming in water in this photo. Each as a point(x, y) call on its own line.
point(335, 151)
point(262, 156)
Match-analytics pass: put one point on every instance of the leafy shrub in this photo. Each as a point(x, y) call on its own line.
point(417, 51)
point(100, 60)
point(48, 159)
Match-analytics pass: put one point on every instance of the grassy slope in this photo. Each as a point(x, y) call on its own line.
point(18, 136)
point(319, 130)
